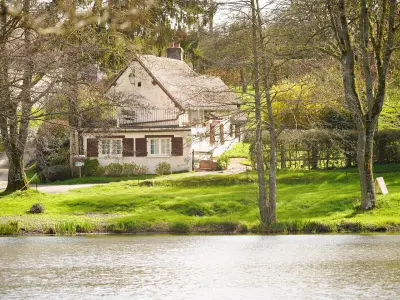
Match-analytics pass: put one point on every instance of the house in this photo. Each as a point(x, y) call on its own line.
point(166, 112)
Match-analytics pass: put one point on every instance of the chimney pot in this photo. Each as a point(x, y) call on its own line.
point(175, 51)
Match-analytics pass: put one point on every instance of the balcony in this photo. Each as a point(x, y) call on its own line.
point(137, 117)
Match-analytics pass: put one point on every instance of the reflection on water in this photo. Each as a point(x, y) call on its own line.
point(201, 267)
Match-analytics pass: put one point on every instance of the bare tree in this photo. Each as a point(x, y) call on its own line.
point(24, 82)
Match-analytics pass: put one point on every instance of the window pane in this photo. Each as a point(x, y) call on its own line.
point(105, 147)
point(154, 146)
point(116, 147)
point(163, 147)
point(167, 147)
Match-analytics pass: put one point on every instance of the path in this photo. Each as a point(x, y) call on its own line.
point(235, 167)
point(51, 189)
point(3, 178)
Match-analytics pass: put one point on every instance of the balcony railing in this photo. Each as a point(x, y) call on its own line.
point(133, 117)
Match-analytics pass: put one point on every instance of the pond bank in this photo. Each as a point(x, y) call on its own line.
point(18, 227)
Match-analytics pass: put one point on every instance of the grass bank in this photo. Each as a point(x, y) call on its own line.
point(308, 201)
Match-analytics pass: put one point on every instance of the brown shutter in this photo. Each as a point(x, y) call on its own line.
point(127, 147)
point(141, 147)
point(221, 134)
point(177, 146)
point(92, 149)
point(212, 134)
point(237, 131)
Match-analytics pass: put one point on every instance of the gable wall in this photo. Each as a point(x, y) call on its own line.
point(148, 93)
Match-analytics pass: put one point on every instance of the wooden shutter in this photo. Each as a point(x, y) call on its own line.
point(212, 134)
point(127, 147)
point(237, 131)
point(141, 147)
point(177, 146)
point(92, 149)
point(221, 134)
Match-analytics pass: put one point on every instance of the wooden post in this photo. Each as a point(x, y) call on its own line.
point(193, 160)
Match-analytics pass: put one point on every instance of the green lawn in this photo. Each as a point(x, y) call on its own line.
point(205, 204)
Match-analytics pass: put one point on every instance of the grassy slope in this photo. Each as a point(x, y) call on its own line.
point(326, 196)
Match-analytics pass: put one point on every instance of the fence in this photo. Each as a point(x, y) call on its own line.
point(326, 149)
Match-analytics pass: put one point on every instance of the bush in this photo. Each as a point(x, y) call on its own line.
point(179, 228)
point(141, 169)
point(91, 166)
point(36, 209)
point(101, 171)
point(163, 168)
point(223, 162)
point(11, 228)
point(113, 169)
point(54, 173)
point(129, 169)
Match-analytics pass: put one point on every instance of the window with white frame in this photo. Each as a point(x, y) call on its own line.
point(160, 146)
point(111, 147)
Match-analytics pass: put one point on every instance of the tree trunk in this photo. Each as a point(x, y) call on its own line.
point(283, 157)
point(16, 174)
point(271, 209)
point(365, 163)
point(314, 156)
point(243, 81)
point(273, 143)
point(262, 188)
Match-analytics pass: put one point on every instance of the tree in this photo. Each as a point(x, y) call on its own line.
point(254, 25)
point(362, 36)
point(25, 67)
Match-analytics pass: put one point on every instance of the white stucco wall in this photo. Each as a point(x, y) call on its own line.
point(201, 139)
point(147, 94)
point(178, 163)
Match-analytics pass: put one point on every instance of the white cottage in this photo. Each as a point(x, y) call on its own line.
point(169, 113)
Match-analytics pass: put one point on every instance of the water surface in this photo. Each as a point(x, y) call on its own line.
point(201, 267)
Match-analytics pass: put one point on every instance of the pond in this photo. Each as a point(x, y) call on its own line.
point(201, 267)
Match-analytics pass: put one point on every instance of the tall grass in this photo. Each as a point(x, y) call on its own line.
point(10, 228)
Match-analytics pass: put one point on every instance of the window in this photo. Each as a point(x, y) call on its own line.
point(111, 147)
point(139, 83)
point(160, 146)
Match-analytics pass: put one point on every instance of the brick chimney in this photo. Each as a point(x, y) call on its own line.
point(175, 51)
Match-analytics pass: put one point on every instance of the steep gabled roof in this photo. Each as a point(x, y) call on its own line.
point(188, 89)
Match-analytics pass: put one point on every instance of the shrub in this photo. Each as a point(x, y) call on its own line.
point(36, 209)
point(101, 171)
point(113, 169)
point(91, 166)
point(129, 169)
point(59, 156)
point(54, 173)
point(179, 228)
point(141, 169)
point(223, 162)
point(163, 168)
point(242, 228)
point(11, 228)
